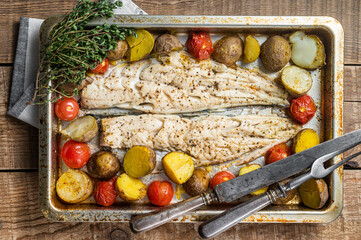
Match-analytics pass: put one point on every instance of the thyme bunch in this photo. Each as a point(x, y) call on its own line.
point(72, 49)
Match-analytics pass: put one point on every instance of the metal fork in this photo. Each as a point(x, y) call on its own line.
point(231, 217)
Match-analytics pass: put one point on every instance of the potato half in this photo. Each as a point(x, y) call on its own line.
point(251, 49)
point(308, 51)
point(178, 166)
point(251, 168)
point(198, 183)
point(297, 81)
point(314, 193)
point(74, 186)
point(305, 139)
point(140, 45)
point(139, 161)
point(130, 189)
point(82, 129)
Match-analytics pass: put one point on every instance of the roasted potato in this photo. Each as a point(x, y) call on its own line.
point(103, 165)
point(275, 53)
point(297, 81)
point(290, 195)
point(139, 161)
point(178, 166)
point(166, 43)
point(251, 49)
point(307, 50)
point(82, 129)
point(130, 189)
point(251, 168)
point(305, 139)
point(228, 50)
point(198, 183)
point(74, 186)
point(119, 51)
point(314, 193)
point(140, 45)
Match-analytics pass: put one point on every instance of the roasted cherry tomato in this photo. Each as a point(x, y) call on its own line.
point(66, 109)
point(199, 45)
point(75, 154)
point(160, 193)
point(278, 152)
point(102, 67)
point(302, 109)
point(220, 177)
point(105, 194)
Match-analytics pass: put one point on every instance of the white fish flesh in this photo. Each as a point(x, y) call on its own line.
point(178, 83)
point(209, 140)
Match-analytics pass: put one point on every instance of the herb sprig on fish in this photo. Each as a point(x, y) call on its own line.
point(72, 49)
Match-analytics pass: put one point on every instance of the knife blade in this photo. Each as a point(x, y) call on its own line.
point(287, 167)
point(245, 184)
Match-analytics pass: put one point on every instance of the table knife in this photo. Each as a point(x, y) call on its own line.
point(247, 183)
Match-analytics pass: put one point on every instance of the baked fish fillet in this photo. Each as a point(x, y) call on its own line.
point(179, 83)
point(210, 140)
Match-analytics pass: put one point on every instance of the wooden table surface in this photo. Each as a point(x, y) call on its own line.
point(20, 217)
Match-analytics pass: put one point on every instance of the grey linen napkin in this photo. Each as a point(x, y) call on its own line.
point(27, 63)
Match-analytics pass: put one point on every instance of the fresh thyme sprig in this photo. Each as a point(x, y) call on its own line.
point(72, 49)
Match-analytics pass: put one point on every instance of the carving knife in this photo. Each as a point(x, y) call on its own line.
point(247, 183)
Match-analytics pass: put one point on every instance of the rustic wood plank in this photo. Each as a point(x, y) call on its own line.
point(347, 12)
point(18, 148)
point(20, 218)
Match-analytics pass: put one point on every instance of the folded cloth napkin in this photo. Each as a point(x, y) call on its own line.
point(27, 63)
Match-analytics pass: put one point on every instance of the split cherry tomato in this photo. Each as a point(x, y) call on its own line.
point(199, 45)
point(160, 193)
point(105, 194)
point(277, 153)
point(102, 67)
point(75, 154)
point(302, 109)
point(221, 177)
point(66, 109)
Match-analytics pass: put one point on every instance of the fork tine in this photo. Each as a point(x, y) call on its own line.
point(333, 167)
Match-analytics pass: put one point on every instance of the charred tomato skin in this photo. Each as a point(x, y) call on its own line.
point(199, 45)
point(104, 193)
point(101, 68)
point(277, 153)
point(66, 109)
point(221, 177)
point(160, 193)
point(302, 109)
point(75, 154)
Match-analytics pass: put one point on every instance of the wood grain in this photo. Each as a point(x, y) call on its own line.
point(347, 12)
point(18, 140)
point(20, 218)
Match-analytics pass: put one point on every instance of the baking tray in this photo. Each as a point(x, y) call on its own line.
point(328, 123)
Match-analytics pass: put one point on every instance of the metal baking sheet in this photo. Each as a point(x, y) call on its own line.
point(327, 92)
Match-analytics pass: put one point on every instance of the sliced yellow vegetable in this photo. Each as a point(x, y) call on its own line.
point(314, 193)
point(251, 168)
